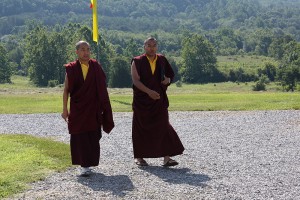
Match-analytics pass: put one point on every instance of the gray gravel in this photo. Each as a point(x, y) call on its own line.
point(229, 155)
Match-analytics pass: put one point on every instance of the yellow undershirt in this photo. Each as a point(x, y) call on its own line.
point(85, 69)
point(152, 64)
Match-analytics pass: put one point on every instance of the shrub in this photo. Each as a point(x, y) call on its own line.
point(178, 83)
point(53, 83)
point(260, 85)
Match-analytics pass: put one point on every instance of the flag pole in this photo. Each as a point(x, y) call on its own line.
point(95, 25)
point(97, 56)
point(95, 20)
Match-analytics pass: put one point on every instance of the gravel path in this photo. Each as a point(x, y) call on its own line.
point(229, 155)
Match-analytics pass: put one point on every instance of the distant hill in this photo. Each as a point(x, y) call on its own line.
point(162, 15)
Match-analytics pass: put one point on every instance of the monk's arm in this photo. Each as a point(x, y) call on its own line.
point(136, 81)
point(65, 113)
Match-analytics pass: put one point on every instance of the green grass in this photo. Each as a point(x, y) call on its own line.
point(249, 64)
point(235, 101)
point(25, 159)
point(17, 98)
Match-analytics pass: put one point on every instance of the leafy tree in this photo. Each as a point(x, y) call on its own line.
point(288, 76)
point(263, 41)
point(260, 85)
point(289, 72)
point(227, 42)
point(120, 73)
point(269, 70)
point(276, 49)
point(5, 69)
point(199, 61)
point(175, 68)
point(47, 49)
point(58, 45)
point(45, 56)
point(16, 56)
point(240, 75)
point(132, 49)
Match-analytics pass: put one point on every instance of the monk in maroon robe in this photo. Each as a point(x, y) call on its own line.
point(90, 109)
point(152, 134)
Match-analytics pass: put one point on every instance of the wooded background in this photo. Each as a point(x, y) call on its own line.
point(37, 37)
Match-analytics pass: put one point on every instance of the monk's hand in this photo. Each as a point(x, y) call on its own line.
point(65, 115)
point(153, 95)
point(166, 81)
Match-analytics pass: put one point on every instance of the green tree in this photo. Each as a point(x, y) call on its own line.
point(276, 49)
point(175, 69)
point(132, 49)
point(227, 42)
point(288, 76)
point(260, 85)
point(120, 73)
point(45, 56)
point(5, 69)
point(240, 75)
point(263, 41)
point(199, 61)
point(289, 71)
point(58, 45)
point(269, 70)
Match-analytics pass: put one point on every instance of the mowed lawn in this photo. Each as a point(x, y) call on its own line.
point(25, 159)
point(21, 97)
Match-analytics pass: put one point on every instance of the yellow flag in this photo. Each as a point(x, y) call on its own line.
point(95, 20)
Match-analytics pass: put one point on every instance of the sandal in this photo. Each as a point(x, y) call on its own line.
point(141, 162)
point(170, 163)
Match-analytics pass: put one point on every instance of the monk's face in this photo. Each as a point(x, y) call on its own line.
point(150, 48)
point(84, 53)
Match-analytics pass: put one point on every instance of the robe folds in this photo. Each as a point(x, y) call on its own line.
point(152, 134)
point(90, 111)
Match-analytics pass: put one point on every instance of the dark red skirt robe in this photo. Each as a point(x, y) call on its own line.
point(90, 111)
point(152, 134)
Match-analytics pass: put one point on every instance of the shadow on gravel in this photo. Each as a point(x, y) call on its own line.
point(118, 185)
point(178, 176)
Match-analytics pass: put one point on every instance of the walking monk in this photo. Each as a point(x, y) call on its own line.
point(90, 108)
point(152, 134)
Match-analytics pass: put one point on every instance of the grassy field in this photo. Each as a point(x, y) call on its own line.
point(249, 64)
point(25, 159)
point(21, 97)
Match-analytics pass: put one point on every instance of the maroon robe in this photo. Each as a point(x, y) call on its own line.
point(152, 134)
point(90, 110)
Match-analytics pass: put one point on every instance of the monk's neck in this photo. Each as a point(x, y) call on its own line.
point(152, 57)
point(84, 62)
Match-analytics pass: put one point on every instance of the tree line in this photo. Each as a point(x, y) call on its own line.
point(199, 16)
point(191, 33)
point(41, 51)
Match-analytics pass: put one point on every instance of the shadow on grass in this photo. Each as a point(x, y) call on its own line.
point(178, 176)
point(119, 185)
point(122, 102)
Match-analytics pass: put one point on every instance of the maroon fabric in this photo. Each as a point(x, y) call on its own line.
point(152, 134)
point(90, 107)
point(90, 110)
point(85, 149)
